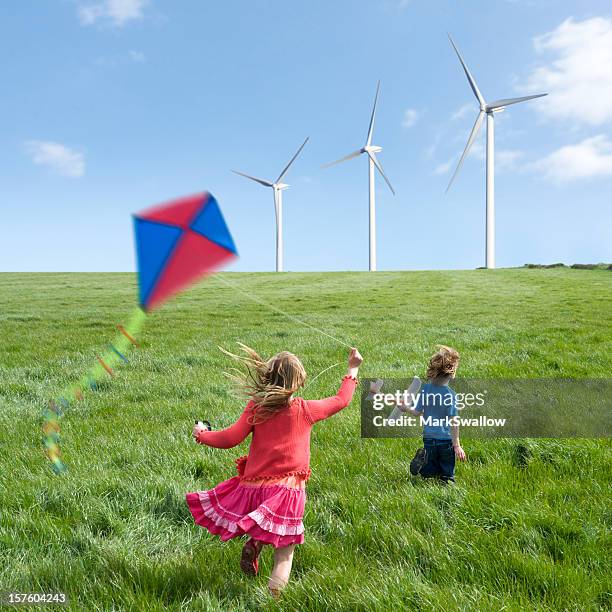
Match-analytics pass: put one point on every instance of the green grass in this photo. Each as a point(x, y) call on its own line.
point(115, 532)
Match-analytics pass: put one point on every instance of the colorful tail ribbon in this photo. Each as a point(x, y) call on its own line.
point(75, 393)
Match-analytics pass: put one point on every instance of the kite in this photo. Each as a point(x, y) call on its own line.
point(177, 244)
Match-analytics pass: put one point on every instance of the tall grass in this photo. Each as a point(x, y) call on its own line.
point(526, 527)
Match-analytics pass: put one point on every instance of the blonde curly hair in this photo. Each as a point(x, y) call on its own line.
point(270, 383)
point(444, 362)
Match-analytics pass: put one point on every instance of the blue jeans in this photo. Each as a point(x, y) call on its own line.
point(440, 459)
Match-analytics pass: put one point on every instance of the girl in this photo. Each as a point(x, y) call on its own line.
point(266, 500)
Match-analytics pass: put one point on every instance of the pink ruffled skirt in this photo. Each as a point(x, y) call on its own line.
point(270, 511)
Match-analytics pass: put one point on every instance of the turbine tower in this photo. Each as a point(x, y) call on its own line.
point(373, 162)
point(488, 109)
point(278, 187)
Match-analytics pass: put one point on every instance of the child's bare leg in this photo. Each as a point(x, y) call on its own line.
point(283, 559)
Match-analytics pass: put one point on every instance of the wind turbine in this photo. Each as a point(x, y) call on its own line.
point(371, 151)
point(278, 187)
point(489, 110)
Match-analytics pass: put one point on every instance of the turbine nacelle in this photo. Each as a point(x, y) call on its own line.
point(280, 186)
point(371, 149)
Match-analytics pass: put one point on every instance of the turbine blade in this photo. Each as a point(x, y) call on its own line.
point(377, 164)
point(468, 74)
point(338, 161)
point(508, 101)
point(253, 178)
point(282, 174)
point(371, 128)
point(468, 146)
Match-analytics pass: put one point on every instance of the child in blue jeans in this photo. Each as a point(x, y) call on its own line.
point(436, 403)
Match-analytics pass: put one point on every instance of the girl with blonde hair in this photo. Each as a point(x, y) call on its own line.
point(265, 501)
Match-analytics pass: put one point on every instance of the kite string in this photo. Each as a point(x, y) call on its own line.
point(253, 297)
point(319, 374)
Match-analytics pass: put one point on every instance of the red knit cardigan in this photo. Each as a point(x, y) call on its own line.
point(280, 446)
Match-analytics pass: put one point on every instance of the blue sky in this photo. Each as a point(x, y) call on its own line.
point(109, 106)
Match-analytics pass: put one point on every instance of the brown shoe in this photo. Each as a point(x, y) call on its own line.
point(420, 459)
point(249, 559)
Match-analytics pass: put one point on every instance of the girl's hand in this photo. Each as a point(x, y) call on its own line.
point(197, 429)
point(354, 359)
point(460, 453)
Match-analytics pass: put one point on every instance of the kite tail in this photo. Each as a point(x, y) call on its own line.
point(115, 353)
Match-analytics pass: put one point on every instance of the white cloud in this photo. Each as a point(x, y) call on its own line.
point(430, 151)
point(445, 167)
point(410, 117)
point(508, 159)
point(464, 110)
point(578, 78)
point(118, 12)
point(588, 159)
point(90, 14)
point(58, 157)
point(138, 56)
point(115, 61)
point(478, 149)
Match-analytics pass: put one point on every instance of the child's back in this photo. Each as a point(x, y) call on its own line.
point(280, 445)
point(436, 405)
point(437, 402)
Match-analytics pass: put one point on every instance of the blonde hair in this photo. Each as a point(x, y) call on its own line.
point(269, 383)
point(443, 363)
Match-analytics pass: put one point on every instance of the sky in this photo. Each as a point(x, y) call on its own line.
point(110, 106)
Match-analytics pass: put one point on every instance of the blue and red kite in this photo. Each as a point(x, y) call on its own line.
point(177, 243)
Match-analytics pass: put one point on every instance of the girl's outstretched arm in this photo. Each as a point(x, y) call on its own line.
point(317, 410)
point(229, 437)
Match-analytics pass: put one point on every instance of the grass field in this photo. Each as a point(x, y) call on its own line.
point(115, 533)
